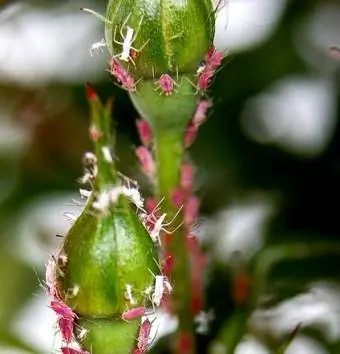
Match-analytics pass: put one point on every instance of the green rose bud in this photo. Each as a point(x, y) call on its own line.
point(159, 36)
point(108, 256)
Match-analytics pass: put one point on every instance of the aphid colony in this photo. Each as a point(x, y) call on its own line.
point(129, 54)
point(155, 293)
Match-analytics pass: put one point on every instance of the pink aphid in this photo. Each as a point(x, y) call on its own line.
point(213, 58)
point(143, 336)
point(146, 160)
point(66, 328)
point(144, 131)
point(133, 313)
point(190, 135)
point(205, 78)
point(177, 197)
point(62, 310)
point(191, 210)
point(166, 83)
point(66, 350)
point(187, 177)
point(122, 76)
point(201, 112)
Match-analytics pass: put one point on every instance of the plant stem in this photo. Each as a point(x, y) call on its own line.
point(169, 156)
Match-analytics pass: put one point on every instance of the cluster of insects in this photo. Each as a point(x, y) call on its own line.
point(66, 316)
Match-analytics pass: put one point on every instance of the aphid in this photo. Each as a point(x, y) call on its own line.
point(66, 328)
point(166, 84)
point(187, 177)
point(213, 58)
point(203, 320)
point(161, 284)
point(98, 46)
point(190, 135)
point(128, 40)
point(82, 334)
point(70, 217)
point(66, 350)
point(144, 131)
point(63, 310)
point(128, 294)
point(107, 154)
point(146, 160)
point(122, 76)
point(201, 112)
point(84, 193)
point(134, 195)
point(143, 336)
point(50, 278)
point(133, 313)
point(191, 210)
point(205, 78)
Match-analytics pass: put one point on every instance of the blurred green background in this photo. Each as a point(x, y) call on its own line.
point(268, 168)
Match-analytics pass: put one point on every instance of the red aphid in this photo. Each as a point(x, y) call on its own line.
point(133, 54)
point(143, 336)
point(201, 112)
point(66, 350)
point(146, 160)
point(66, 328)
point(133, 313)
point(144, 131)
point(166, 83)
point(63, 310)
point(190, 135)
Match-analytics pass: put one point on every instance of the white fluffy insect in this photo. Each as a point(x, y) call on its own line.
point(128, 294)
point(128, 39)
point(107, 154)
point(98, 46)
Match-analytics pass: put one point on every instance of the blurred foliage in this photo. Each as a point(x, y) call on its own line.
point(301, 241)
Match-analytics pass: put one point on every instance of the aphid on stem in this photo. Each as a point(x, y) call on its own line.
point(143, 336)
point(66, 350)
point(62, 310)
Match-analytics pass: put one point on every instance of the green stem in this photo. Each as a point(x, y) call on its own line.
point(169, 156)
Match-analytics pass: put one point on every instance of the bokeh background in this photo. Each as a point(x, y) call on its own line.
point(268, 168)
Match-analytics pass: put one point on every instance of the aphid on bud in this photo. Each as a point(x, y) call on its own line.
point(213, 58)
point(143, 336)
point(128, 294)
point(66, 328)
point(128, 39)
point(62, 310)
point(161, 284)
point(133, 313)
point(82, 334)
point(98, 46)
point(66, 350)
point(166, 84)
point(122, 76)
